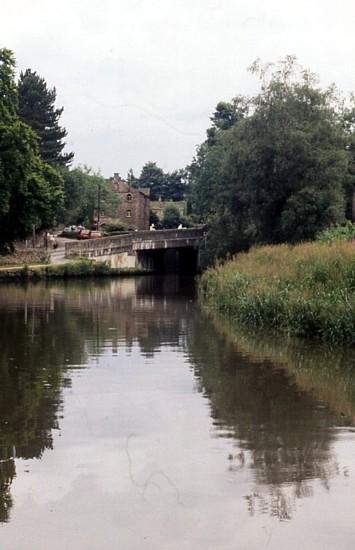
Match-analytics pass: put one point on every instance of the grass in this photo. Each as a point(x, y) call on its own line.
point(304, 290)
point(72, 269)
point(22, 257)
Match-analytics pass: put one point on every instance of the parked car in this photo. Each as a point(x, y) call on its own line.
point(84, 234)
point(95, 234)
point(89, 234)
point(72, 231)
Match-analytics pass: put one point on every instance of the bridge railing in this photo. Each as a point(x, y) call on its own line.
point(167, 234)
point(115, 243)
point(83, 248)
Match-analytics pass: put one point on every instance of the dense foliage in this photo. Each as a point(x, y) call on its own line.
point(30, 190)
point(345, 232)
point(163, 185)
point(171, 218)
point(85, 192)
point(37, 109)
point(277, 167)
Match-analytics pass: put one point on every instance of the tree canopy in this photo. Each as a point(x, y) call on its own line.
point(171, 218)
point(83, 190)
point(277, 166)
point(30, 190)
point(37, 109)
point(163, 185)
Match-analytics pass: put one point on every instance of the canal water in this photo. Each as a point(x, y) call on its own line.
point(132, 419)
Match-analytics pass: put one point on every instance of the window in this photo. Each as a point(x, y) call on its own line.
point(129, 196)
point(129, 213)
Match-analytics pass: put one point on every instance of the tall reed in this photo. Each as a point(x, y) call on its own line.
point(306, 290)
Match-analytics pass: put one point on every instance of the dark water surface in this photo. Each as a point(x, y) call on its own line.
point(130, 419)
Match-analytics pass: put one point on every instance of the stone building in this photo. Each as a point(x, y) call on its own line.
point(133, 208)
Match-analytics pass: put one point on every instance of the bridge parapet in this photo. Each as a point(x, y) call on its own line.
point(136, 240)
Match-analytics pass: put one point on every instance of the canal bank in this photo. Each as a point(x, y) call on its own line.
point(304, 290)
point(67, 270)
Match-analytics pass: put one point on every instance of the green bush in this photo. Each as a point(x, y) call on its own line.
point(79, 268)
point(114, 226)
point(344, 232)
point(171, 218)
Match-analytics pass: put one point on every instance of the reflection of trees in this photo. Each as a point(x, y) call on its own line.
point(283, 434)
point(46, 329)
point(31, 375)
point(7, 473)
point(326, 373)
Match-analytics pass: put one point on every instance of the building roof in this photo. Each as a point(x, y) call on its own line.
point(122, 186)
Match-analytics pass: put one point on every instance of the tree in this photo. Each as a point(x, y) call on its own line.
point(229, 113)
point(30, 190)
point(37, 109)
point(349, 128)
point(175, 189)
point(8, 89)
point(83, 190)
point(277, 167)
point(171, 217)
point(289, 164)
point(162, 185)
point(153, 178)
point(154, 219)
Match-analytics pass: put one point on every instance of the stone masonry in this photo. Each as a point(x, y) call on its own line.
point(133, 209)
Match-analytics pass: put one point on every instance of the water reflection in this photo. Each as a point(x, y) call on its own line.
point(47, 329)
point(277, 402)
point(264, 394)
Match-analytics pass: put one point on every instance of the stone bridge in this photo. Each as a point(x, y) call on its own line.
point(167, 250)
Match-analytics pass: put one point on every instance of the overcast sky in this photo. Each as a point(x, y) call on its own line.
point(139, 79)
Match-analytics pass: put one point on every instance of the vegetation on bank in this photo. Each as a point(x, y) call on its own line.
point(72, 269)
point(345, 232)
point(27, 256)
point(305, 290)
